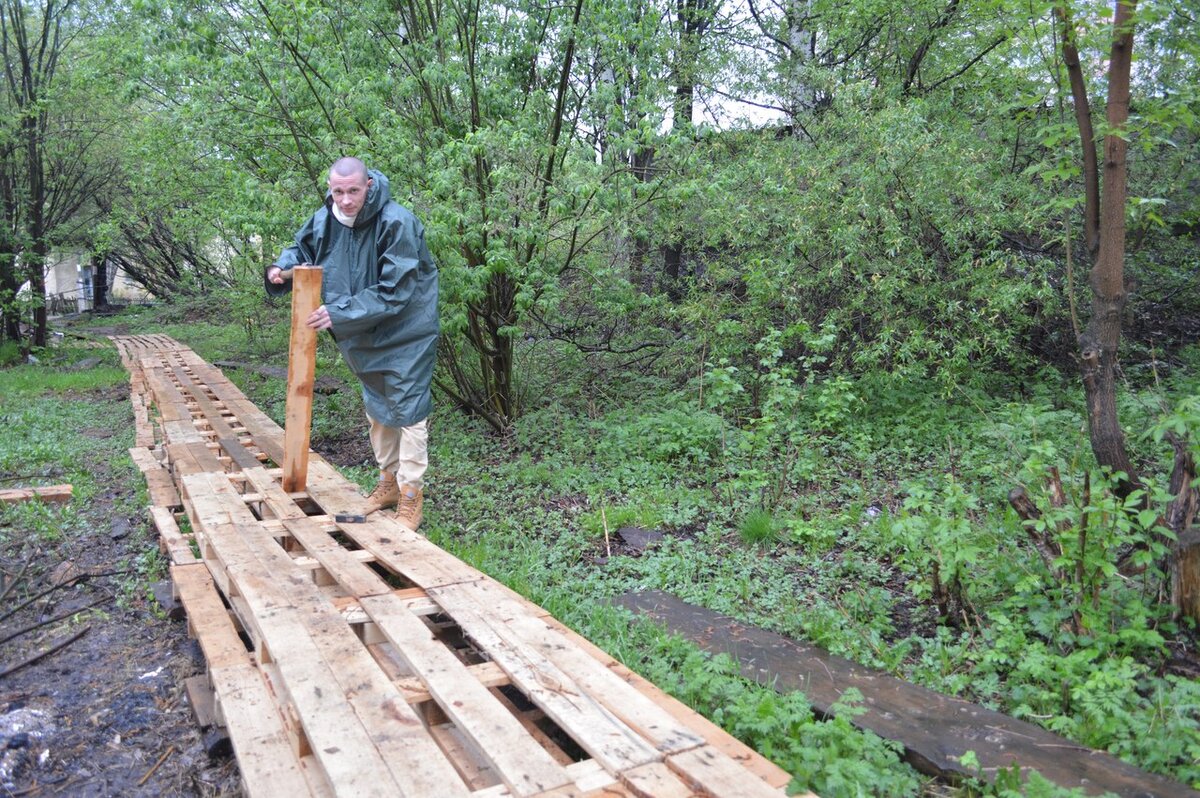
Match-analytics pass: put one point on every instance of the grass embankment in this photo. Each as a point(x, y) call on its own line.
point(66, 419)
point(866, 515)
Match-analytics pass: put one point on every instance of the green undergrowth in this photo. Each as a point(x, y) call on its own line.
point(827, 518)
point(59, 418)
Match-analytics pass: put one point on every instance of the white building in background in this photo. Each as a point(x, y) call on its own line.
point(69, 285)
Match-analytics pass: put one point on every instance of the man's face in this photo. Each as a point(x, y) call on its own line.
point(349, 192)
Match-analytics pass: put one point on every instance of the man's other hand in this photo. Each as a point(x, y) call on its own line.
point(319, 319)
point(275, 275)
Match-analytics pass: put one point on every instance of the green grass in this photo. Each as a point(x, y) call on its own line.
point(39, 380)
point(758, 527)
point(57, 422)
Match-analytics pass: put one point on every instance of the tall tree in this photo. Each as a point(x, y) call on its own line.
point(31, 44)
point(693, 18)
point(54, 159)
point(1104, 229)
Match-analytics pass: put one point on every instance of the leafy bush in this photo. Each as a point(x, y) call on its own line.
point(677, 435)
point(10, 353)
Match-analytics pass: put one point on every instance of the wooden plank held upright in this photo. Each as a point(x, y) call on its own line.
point(302, 364)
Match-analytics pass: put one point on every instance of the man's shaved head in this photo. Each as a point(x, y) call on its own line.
point(348, 167)
point(349, 184)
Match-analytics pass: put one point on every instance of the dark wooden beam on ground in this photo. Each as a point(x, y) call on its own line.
point(935, 729)
point(324, 383)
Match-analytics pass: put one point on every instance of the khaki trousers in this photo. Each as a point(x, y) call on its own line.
point(403, 451)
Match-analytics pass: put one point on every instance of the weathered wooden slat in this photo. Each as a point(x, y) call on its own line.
point(595, 728)
point(709, 772)
point(655, 781)
point(268, 764)
point(171, 540)
point(302, 362)
point(517, 759)
point(171, 404)
point(54, 494)
point(648, 719)
point(193, 458)
point(158, 479)
point(487, 674)
point(208, 619)
point(713, 734)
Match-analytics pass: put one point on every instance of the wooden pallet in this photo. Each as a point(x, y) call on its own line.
point(360, 659)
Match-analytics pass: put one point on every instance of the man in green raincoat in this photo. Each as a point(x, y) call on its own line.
point(380, 289)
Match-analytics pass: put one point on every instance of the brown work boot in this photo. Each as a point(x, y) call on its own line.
point(408, 508)
point(386, 493)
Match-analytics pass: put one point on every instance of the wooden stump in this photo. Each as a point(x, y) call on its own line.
point(302, 362)
point(1185, 574)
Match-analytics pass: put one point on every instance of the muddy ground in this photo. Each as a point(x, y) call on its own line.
point(107, 715)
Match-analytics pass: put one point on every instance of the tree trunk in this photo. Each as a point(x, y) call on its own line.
point(100, 281)
point(1099, 341)
point(9, 284)
point(692, 18)
point(639, 275)
point(1185, 574)
point(1087, 136)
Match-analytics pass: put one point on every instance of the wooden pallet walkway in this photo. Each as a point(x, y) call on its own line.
point(360, 659)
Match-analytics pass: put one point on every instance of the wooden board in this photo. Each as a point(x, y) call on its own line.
point(158, 478)
point(172, 541)
point(54, 494)
point(524, 766)
point(302, 361)
point(934, 728)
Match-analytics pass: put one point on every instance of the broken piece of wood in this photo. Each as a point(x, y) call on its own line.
point(57, 494)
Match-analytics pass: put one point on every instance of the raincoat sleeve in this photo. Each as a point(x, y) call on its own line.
point(400, 247)
point(301, 251)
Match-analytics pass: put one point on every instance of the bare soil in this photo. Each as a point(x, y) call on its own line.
point(106, 715)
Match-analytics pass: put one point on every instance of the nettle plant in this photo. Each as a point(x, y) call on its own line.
point(775, 407)
point(1082, 570)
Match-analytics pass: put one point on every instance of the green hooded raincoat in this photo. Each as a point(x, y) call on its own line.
point(380, 286)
